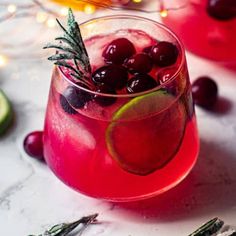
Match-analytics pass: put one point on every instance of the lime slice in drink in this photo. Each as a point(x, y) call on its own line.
point(6, 113)
point(146, 133)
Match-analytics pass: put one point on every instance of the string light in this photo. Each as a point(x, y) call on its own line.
point(88, 6)
point(3, 60)
point(164, 13)
point(122, 2)
point(64, 11)
point(46, 14)
point(41, 17)
point(12, 8)
point(51, 22)
point(89, 9)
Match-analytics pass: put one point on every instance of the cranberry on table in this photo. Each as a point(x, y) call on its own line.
point(105, 100)
point(205, 92)
point(141, 63)
point(114, 76)
point(164, 54)
point(221, 9)
point(140, 83)
point(118, 50)
point(33, 145)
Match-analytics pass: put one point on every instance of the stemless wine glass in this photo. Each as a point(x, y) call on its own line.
point(206, 27)
point(122, 147)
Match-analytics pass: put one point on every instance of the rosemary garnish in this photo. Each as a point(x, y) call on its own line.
point(66, 228)
point(71, 52)
point(209, 228)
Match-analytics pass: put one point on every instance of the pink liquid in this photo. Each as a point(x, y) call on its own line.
point(76, 147)
point(201, 33)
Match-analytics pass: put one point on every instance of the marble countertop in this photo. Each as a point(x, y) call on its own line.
point(32, 198)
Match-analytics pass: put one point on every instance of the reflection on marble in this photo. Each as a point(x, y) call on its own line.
point(32, 198)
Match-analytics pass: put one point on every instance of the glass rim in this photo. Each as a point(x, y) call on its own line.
point(159, 87)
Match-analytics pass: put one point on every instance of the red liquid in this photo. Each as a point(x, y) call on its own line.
point(76, 147)
point(201, 33)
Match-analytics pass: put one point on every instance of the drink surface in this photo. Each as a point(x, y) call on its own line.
point(135, 148)
point(206, 27)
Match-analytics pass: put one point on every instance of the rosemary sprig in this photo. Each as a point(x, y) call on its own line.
point(209, 228)
point(71, 52)
point(66, 228)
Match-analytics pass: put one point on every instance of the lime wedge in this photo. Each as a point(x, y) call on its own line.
point(6, 113)
point(146, 133)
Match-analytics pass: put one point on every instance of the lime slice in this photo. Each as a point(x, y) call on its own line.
point(6, 113)
point(146, 133)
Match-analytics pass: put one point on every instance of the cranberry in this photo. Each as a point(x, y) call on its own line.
point(76, 97)
point(33, 145)
point(140, 83)
point(105, 100)
point(147, 49)
point(66, 106)
point(205, 91)
point(165, 74)
point(114, 76)
point(164, 54)
point(141, 63)
point(118, 50)
point(221, 9)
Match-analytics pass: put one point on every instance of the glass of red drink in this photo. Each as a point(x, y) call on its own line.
point(135, 139)
point(206, 27)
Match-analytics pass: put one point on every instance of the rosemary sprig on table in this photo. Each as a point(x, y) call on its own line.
point(66, 228)
point(71, 52)
point(209, 228)
point(214, 227)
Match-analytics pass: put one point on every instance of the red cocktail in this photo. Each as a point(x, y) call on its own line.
point(132, 135)
point(206, 27)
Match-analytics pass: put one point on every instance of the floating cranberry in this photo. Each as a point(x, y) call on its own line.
point(140, 83)
point(205, 92)
point(221, 9)
point(147, 49)
point(33, 145)
point(141, 63)
point(105, 100)
point(113, 76)
point(118, 50)
point(164, 54)
point(166, 74)
point(66, 106)
point(76, 97)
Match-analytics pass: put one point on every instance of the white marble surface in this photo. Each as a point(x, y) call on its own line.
point(32, 198)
